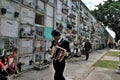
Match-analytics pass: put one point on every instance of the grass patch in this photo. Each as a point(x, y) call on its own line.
point(114, 54)
point(106, 64)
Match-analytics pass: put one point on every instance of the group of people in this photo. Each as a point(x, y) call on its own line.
point(64, 45)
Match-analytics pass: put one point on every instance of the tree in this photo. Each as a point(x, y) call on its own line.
point(109, 14)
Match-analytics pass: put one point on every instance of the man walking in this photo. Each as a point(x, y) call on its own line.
point(87, 47)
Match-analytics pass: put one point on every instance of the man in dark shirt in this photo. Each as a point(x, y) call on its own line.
point(59, 65)
point(87, 47)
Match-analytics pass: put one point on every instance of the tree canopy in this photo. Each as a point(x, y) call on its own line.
point(109, 14)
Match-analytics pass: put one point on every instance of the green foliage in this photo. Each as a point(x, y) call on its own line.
point(118, 43)
point(106, 64)
point(111, 9)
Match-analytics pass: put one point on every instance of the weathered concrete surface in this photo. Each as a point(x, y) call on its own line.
point(76, 69)
point(103, 74)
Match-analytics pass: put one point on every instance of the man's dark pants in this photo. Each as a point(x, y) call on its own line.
point(59, 69)
point(87, 53)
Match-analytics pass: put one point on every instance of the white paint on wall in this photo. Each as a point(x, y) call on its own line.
point(27, 15)
point(9, 27)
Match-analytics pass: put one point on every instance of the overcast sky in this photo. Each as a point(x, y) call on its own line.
point(92, 3)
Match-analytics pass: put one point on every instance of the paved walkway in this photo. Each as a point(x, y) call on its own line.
point(104, 73)
point(77, 69)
